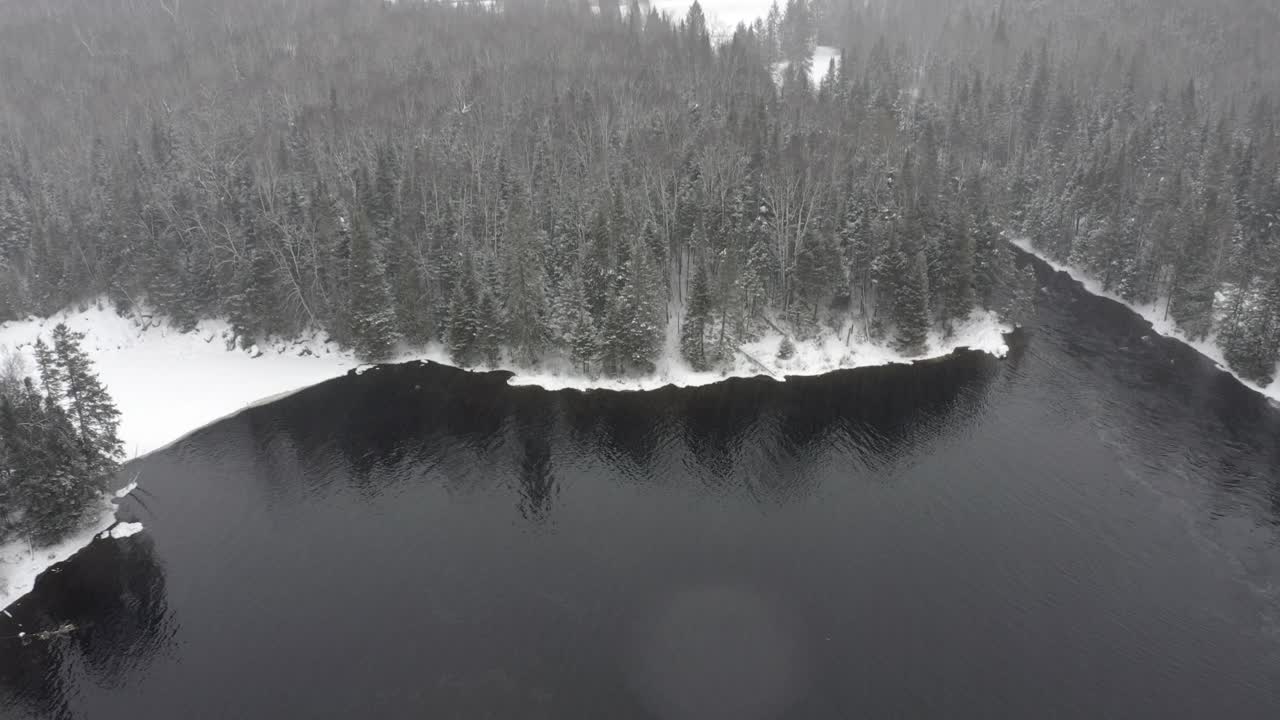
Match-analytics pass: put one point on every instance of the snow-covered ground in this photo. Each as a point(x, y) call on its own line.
point(168, 383)
point(829, 352)
point(1154, 313)
point(21, 564)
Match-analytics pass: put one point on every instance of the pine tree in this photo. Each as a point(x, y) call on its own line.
point(1021, 305)
point(1251, 344)
point(525, 308)
point(489, 335)
point(92, 413)
point(52, 379)
point(407, 286)
point(955, 296)
point(696, 315)
point(1192, 297)
point(373, 319)
point(911, 307)
point(58, 449)
point(631, 336)
point(584, 341)
point(597, 272)
point(52, 488)
point(463, 335)
point(989, 258)
point(786, 349)
point(819, 270)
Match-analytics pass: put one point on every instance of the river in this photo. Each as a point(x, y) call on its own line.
point(1088, 528)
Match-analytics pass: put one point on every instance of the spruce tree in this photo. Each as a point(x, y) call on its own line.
point(92, 413)
point(373, 319)
point(489, 335)
point(525, 310)
point(911, 307)
point(1192, 297)
point(463, 334)
point(696, 315)
point(58, 448)
point(1024, 287)
point(584, 341)
point(956, 296)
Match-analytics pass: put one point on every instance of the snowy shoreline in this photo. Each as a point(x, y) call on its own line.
point(1153, 313)
point(21, 564)
point(168, 384)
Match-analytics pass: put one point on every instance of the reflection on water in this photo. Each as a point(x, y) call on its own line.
point(115, 596)
point(1086, 528)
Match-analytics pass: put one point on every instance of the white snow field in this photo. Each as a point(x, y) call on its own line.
point(167, 383)
point(1154, 313)
point(21, 564)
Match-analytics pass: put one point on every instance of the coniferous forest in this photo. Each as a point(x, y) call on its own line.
point(58, 441)
point(525, 179)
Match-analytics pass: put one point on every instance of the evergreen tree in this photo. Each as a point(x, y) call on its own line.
point(1192, 297)
point(786, 349)
point(489, 335)
point(632, 334)
point(372, 315)
point(956, 297)
point(696, 315)
point(58, 450)
point(525, 308)
point(1021, 305)
point(584, 342)
point(911, 307)
point(1251, 344)
point(819, 270)
point(90, 409)
point(463, 336)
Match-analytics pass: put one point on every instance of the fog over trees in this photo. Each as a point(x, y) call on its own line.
point(534, 179)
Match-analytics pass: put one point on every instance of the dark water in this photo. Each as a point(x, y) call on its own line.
point(1089, 528)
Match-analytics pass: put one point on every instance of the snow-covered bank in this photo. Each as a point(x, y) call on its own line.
point(1154, 313)
point(168, 383)
point(828, 353)
point(21, 564)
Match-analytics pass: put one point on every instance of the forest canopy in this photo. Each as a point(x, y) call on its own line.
point(534, 178)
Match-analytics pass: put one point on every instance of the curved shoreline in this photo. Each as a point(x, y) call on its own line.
point(169, 384)
point(1153, 315)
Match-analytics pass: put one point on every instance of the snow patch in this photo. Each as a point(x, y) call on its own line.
point(1154, 313)
point(122, 530)
point(167, 383)
point(822, 57)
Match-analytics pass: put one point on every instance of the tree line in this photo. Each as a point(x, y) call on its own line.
point(58, 441)
point(536, 179)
